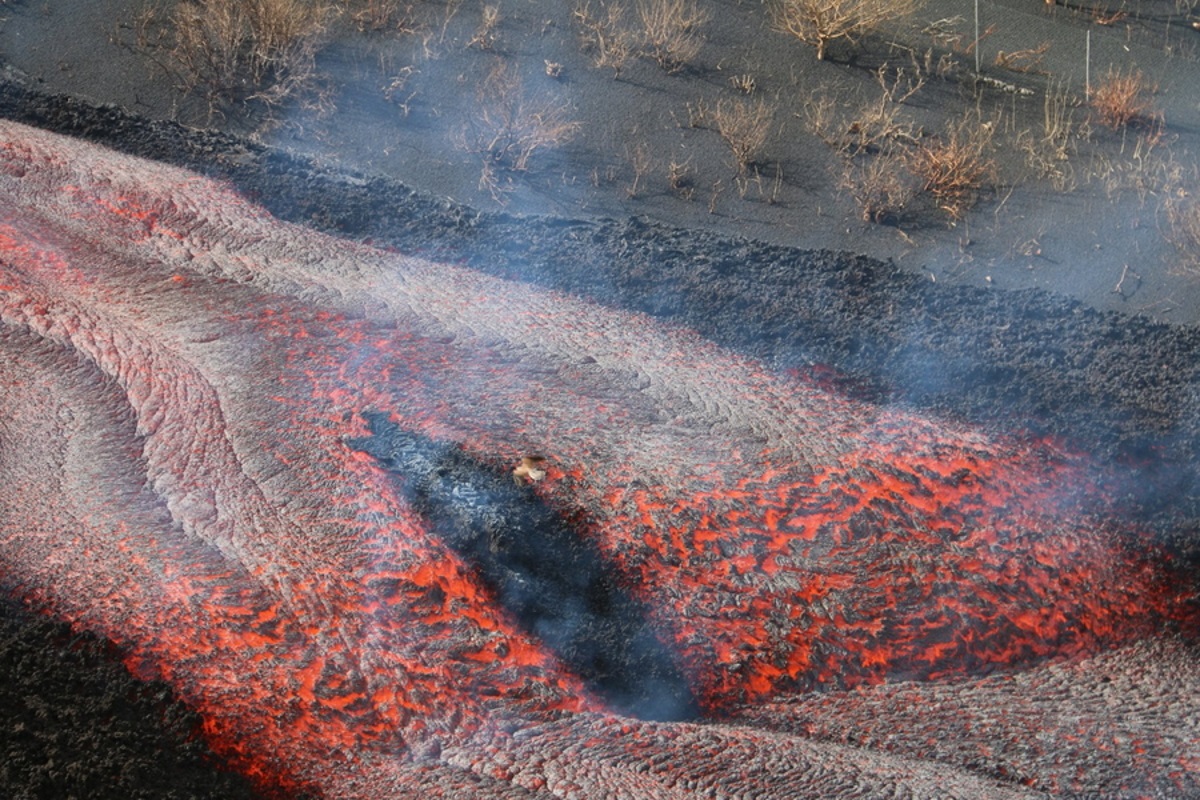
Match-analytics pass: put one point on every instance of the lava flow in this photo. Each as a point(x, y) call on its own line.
point(189, 471)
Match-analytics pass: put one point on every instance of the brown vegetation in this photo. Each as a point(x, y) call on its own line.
point(744, 126)
point(510, 124)
point(1183, 230)
point(955, 166)
point(1122, 99)
point(239, 51)
point(1048, 152)
point(380, 15)
point(670, 31)
point(870, 126)
point(666, 31)
point(880, 187)
point(642, 164)
point(485, 34)
point(819, 22)
point(603, 34)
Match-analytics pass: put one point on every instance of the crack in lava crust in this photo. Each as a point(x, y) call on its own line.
point(182, 376)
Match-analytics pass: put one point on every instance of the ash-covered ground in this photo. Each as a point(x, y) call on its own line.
point(1025, 363)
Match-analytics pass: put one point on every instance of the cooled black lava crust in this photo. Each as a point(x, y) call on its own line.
point(542, 570)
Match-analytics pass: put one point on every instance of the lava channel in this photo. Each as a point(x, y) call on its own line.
point(183, 419)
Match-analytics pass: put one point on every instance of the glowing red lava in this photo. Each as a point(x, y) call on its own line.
point(182, 372)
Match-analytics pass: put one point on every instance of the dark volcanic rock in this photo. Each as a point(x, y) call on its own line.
point(77, 725)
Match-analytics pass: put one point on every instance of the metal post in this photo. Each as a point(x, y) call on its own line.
point(976, 37)
point(1087, 67)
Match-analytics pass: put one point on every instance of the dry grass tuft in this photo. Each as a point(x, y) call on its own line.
point(1183, 231)
point(954, 167)
point(242, 51)
point(487, 33)
point(511, 124)
point(744, 126)
point(666, 31)
point(380, 15)
point(1048, 152)
point(1121, 99)
point(604, 35)
point(881, 188)
point(820, 22)
point(670, 31)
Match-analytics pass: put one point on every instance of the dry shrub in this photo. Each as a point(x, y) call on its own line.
point(380, 15)
point(666, 31)
point(486, 34)
point(670, 31)
point(604, 35)
point(511, 124)
point(881, 188)
point(744, 126)
point(239, 51)
point(1028, 60)
point(819, 22)
point(1183, 220)
point(1121, 99)
point(642, 164)
point(954, 167)
point(875, 126)
point(681, 179)
point(1048, 152)
point(1183, 231)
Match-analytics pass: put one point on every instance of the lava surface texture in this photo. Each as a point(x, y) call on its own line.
point(274, 468)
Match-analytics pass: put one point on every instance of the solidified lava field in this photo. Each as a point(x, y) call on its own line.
point(836, 492)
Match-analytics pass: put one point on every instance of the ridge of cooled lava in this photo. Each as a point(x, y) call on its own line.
point(859, 601)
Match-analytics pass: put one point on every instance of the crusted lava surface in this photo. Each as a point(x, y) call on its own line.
point(191, 476)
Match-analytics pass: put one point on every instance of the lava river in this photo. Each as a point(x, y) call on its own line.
point(853, 601)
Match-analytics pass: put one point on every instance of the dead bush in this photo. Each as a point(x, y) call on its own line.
point(486, 34)
point(874, 126)
point(241, 51)
point(744, 126)
point(641, 163)
point(819, 22)
point(510, 124)
point(1121, 99)
point(666, 31)
point(670, 31)
point(604, 35)
point(881, 187)
point(1028, 60)
point(681, 179)
point(1048, 151)
point(1183, 231)
point(380, 15)
point(954, 167)
point(1183, 218)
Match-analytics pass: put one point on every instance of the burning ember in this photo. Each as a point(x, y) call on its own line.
point(276, 469)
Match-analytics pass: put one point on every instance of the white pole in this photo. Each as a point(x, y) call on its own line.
point(976, 37)
point(1087, 67)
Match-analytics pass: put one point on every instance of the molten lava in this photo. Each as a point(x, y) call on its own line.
point(185, 378)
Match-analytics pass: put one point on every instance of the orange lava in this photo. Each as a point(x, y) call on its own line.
point(786, 540)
